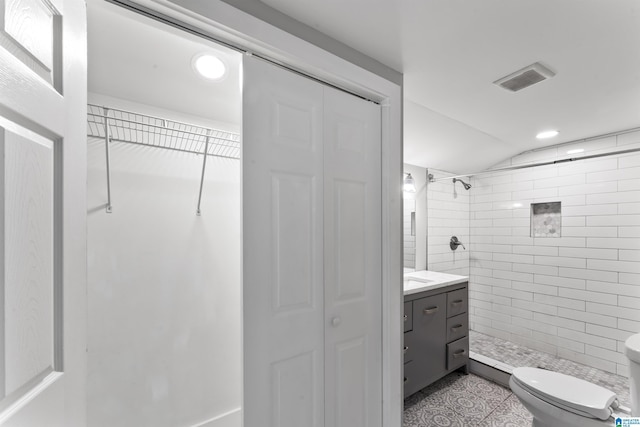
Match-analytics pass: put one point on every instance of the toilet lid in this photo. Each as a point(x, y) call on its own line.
point(570, 393)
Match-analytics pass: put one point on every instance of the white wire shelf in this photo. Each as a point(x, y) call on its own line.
point(135, 128)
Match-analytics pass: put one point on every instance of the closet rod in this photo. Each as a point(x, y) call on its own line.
point(108, 158)
point(533, 165)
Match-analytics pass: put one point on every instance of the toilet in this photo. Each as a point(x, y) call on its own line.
point(556, 399)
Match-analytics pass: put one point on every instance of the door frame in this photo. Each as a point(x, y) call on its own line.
point(218, 20)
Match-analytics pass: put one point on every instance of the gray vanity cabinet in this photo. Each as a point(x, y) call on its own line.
point(436, 338)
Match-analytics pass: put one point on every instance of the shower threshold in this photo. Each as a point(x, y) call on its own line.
point(495, 359)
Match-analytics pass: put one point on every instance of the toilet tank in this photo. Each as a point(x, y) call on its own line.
point(632, 351)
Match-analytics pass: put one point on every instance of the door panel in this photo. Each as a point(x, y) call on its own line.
point(282, 248)
point(43, 213)
point(353, 258)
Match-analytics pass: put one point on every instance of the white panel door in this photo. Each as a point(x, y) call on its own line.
point(311, 253)
point(42, 213)
point(282, 248)
point(353, 261)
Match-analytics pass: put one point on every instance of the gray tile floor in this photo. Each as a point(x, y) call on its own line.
point(460, 400)
point(514, 355)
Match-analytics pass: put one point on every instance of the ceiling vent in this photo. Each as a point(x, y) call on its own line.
point(528, 76)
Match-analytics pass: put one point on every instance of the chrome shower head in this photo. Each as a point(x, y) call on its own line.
point(466, 186)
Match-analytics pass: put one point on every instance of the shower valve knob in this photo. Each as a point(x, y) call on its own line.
point(454, 243)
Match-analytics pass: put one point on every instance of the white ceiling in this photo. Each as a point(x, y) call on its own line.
point(137, 59)
point(450, 52)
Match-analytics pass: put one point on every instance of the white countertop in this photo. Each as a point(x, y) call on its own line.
point(424, 280)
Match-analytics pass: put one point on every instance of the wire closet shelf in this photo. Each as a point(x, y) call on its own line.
point(134, 128)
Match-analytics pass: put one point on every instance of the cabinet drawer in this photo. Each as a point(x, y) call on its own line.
point(409, 346)
point(457, 327)
point(408, 316)
point(457, 353)
point(411, 378)
point(456, 302)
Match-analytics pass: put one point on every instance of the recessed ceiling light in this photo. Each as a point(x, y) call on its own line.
point(547, 134)
point(576, 151)
point(209, 66)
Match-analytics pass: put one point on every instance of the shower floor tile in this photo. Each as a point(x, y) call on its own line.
point(464, 401)
point(515, 355)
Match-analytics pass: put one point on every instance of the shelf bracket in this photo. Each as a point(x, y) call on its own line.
point(107, 141)
point(204, 166)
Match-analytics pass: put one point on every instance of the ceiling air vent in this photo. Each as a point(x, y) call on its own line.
point(528, 76)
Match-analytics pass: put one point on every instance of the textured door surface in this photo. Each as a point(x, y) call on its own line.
point(353, 261)
point(42, 211)
point(312, 253)
point(282, 248)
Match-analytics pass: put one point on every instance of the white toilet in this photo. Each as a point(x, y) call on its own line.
point(556, 399)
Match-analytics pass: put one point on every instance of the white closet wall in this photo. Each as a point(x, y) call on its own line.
point(164, 289)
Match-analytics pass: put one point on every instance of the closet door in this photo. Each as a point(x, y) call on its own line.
point(42, 213)
point(353, 261)
point(283, 303)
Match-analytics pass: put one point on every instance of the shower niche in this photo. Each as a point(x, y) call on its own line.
point(546, 219)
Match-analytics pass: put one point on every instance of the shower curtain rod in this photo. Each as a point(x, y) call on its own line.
point(532, 165)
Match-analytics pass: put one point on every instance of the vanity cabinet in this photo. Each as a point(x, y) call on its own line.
point(436, 337)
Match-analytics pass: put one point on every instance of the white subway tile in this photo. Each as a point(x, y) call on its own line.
point(574, 221)
point(589, 253)
point(587, 338)
point(629, 185)
point(483, 329)
point(560, 281)
point(629, 278)
point(590, 231)
point(492, 281)
point(619, 243)
point(535, 326)
point(513, 186)
point(554, 182)
point(617, 311)
point(513, 240)
point(587, 317)
point(629, 255)
point(493, 315)
point(628, 208)
point(623, 371)
point(560, 261)
point(536, 308)
point(560, 302)
point(536, 250)
point(592, 188)
point(608, 265)
point(564, 343)
point(572, 242)
point(632, 290)
point(593, 165)
point(563, 322)
point(614, 175)
point(518, 314)
point(613, 220)
point(548, 270)
point(535, 287)
point(586, 210)
point(628, 138)
point(512, 293)
point(513, 275)
point(513, 329)
point(588, 360)
point(534, 344)
point(602, 353)
point(610, 333)
point(525, 259)
point(623, 197)
point(629, 232)
point(630, 302)
point(577, 200)
point(582, 295)
point(580, 273)
point(629, 325)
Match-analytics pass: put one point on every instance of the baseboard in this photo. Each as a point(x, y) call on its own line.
point(232, 418)
point(490, 369)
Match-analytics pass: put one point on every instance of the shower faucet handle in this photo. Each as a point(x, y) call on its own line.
point(454, 243)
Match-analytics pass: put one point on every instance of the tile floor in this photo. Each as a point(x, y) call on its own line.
point(485, 348)
point(459, 400)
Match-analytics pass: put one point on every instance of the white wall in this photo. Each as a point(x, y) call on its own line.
point(448, 215)
point(418, 243)
point(164, 289)
point(576, 296)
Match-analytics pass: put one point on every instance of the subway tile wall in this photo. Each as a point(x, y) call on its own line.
point(448, 215)
point(576, 296)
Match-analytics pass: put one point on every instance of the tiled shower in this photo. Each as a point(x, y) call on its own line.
point(573, 290)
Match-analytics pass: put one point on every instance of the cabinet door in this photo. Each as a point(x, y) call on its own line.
point(429, 329)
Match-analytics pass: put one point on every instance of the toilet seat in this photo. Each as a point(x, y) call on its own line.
point(571, 394)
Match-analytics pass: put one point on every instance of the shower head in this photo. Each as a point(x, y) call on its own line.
point(466, 186)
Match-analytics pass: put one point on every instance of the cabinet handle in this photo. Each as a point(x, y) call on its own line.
point(406, 317)
point(431, 310)
point(459, 353)
point(455, 328)
point(404, 350)
point(457, 302)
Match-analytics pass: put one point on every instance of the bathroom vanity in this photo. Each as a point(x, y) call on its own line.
point(436, 327)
